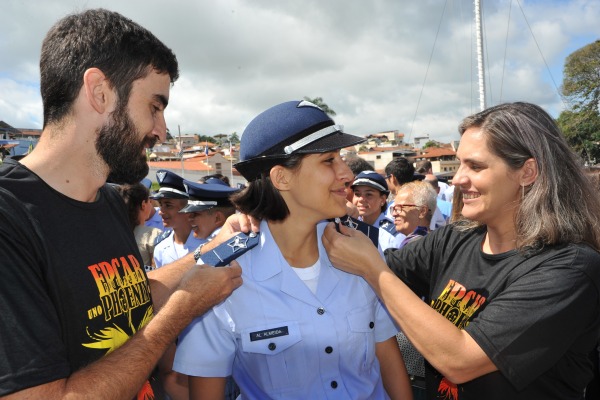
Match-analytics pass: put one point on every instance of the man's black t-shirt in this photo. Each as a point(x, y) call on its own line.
point(72, 285)
point(536, 316)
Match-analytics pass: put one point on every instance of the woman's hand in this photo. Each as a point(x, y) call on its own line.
point(351, 250)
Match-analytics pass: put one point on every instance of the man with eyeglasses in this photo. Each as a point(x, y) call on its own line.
point(413, 208)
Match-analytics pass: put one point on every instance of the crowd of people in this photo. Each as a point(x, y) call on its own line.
point(485, 287)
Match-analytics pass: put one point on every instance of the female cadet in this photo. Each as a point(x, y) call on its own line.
point(370, 198)
point(297, 328)
point(513, 291)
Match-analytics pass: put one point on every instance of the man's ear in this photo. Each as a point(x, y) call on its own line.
point(529, 172)
point(98, 92)
point(280, 177)
point(423, 210)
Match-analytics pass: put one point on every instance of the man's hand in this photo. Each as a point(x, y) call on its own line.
point(350, 250)
point(205, 286)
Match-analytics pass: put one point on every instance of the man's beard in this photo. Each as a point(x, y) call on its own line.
point(118, 145)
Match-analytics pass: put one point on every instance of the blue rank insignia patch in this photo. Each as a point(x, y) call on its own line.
point(369, 230)
point(226, 252)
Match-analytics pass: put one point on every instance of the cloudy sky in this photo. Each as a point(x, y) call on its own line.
point(406, 65)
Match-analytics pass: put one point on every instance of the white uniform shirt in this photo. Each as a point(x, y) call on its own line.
point(279, 340)
point(165, 252)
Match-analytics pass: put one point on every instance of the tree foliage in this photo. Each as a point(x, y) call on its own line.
point(318, 101)
point(206, 138)
point(431, 143)
point(234, 138)
point(581, 87)
point(581, 81)
point(582, 132)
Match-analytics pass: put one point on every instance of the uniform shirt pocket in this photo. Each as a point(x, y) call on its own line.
point(273, 356)
point(361, 323)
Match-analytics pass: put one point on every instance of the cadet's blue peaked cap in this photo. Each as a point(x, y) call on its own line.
point(293, 127)
point(371, 179)
point(146, 182)
point(171, 186)
point(204, 196)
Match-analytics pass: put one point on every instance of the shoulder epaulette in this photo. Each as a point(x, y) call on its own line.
point(388, 226)
point(162, 236)
point(369, 230)
point(228, 251)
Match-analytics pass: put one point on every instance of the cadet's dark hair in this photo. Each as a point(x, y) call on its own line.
point(133, 195)
point(357, 164)
point(261, 200)
point(123, 50)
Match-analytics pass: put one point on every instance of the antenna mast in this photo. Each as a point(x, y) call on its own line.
point(480, 66)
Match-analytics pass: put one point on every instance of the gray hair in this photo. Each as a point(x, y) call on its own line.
point(423, 195)
point(560, 206)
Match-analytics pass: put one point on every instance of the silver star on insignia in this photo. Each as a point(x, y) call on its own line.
point(238, 243)
point(351, 224)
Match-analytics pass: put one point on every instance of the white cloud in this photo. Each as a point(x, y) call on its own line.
point(368, 60)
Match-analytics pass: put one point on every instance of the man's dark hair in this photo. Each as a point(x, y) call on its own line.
point(222, 177)
point(261, 200)
point(401, 169)
point(358, 164)
point(123, 50)
point(424, 166)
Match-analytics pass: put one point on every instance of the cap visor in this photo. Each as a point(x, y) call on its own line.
point(194, 208)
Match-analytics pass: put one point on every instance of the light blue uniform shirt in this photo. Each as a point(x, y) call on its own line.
point(156, 220)
point(165, 251)
point(279, 340)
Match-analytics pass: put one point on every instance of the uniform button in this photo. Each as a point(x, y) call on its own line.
point(320, 311)
point(272, 346)
point(328, 349)
point(334, 384)
point(371, 324)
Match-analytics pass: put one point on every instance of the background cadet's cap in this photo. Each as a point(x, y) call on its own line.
point(203, 196)
point(293, 127)
point(146, 182)
point(171, 186)
point(372, 179)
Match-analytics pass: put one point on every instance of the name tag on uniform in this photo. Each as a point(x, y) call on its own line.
point(269, 333)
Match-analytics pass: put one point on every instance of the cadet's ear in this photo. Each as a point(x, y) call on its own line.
point(219, 217)
point(280, 176)
point(97, 90)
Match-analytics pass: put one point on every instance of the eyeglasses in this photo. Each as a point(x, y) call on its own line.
point(388, 176)
point(399, 207)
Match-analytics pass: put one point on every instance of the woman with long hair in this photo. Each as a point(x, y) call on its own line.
point(513, 287)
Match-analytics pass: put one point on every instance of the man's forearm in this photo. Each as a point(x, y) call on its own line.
point(122, 373)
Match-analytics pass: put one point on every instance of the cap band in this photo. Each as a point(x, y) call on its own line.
point(173, 190)
point(201, 203)
point(289, 149)
point(369, 182)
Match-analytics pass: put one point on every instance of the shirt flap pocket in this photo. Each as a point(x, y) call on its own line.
point(271, 339)
point(362, 319)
